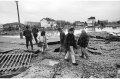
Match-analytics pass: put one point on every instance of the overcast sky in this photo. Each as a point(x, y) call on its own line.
point(69, 10)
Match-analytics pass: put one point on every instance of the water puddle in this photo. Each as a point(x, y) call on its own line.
point(49, 62)
point(118, 71)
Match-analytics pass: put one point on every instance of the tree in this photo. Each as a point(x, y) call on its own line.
point(98, 22)
point(118, 22)
point(62, 23)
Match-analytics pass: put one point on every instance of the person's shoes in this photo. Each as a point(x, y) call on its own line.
point(82, 56)
point(67, 60)
point(35, 55)
point(86, 57)
point(75, 64)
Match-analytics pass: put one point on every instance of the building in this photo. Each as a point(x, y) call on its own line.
point(78, 23)
point(12, 26)
point(91, 21)
point(1, 27)
point(32, 24)
point(48, 23)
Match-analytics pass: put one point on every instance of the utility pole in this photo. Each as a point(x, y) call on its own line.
point(20, 30)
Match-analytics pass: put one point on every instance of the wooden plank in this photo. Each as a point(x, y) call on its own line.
point(13, 66)
point(20, 60)
point(6, 61)
point(3, 59)
point(19, 56)
point(26, 59)
point(29, 60)
point(13, 60)
point(10, 60)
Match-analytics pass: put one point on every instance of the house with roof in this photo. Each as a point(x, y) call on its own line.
point(48, 23)
point(1, 27)
point(91, 21)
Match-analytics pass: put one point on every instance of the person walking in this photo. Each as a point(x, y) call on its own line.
point(28, 36)
point(35, 32)
point(42, 41)
point(70, 44)
point(62, 40)
point(83, 43)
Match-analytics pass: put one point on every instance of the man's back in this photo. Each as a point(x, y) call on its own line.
point(27, 33)
point(35, 30)
point(62, 37)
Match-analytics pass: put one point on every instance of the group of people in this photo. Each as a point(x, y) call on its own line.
point(70, 44)
point(40, 38)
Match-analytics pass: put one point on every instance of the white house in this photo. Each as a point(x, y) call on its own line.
point(47, 22)
point(1, 27)
point(91, 21)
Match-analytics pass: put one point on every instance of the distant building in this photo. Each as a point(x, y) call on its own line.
point(78, 23)
point(32, 24)
point(103, 21)
point(91, 21)
point(1, 27)
point(48, 23)
point(12, 26)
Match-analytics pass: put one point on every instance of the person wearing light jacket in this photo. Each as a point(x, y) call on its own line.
point(42, 41)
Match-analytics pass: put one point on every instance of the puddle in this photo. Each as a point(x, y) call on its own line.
point(118, 71)
point(49, 62)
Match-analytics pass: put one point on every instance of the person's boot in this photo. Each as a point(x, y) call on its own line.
point(86, 57)
point(66, 60)
point(31, 48)
point(75, 64)
point(82, 56)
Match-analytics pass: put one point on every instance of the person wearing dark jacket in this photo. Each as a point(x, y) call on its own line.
point(62, 40)
point(70, 44)
point(83, 43)
point(28, 36)
point(35, 32)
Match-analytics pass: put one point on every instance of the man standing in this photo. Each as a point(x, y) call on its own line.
point(35, 32)
point(28, 36)
point(70, 44)
point(62, 39)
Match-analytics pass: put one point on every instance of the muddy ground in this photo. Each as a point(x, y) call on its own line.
point(103, 62)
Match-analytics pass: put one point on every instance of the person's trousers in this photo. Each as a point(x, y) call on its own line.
point(84, 52)
point(35, 37)
point(70, 53)
point(27, 42)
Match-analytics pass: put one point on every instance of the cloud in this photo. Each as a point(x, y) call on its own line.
point(70, 10)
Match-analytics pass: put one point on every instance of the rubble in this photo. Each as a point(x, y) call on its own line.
point(100, 64)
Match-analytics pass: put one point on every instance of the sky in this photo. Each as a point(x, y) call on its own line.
point(68, 10)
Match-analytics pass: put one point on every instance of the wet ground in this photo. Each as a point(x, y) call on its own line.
point(103, 62)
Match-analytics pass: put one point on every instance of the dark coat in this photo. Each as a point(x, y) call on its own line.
point(27, 34)
point(83, 40)
point(70, 41)
point(62, 38)
point(34, 30)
